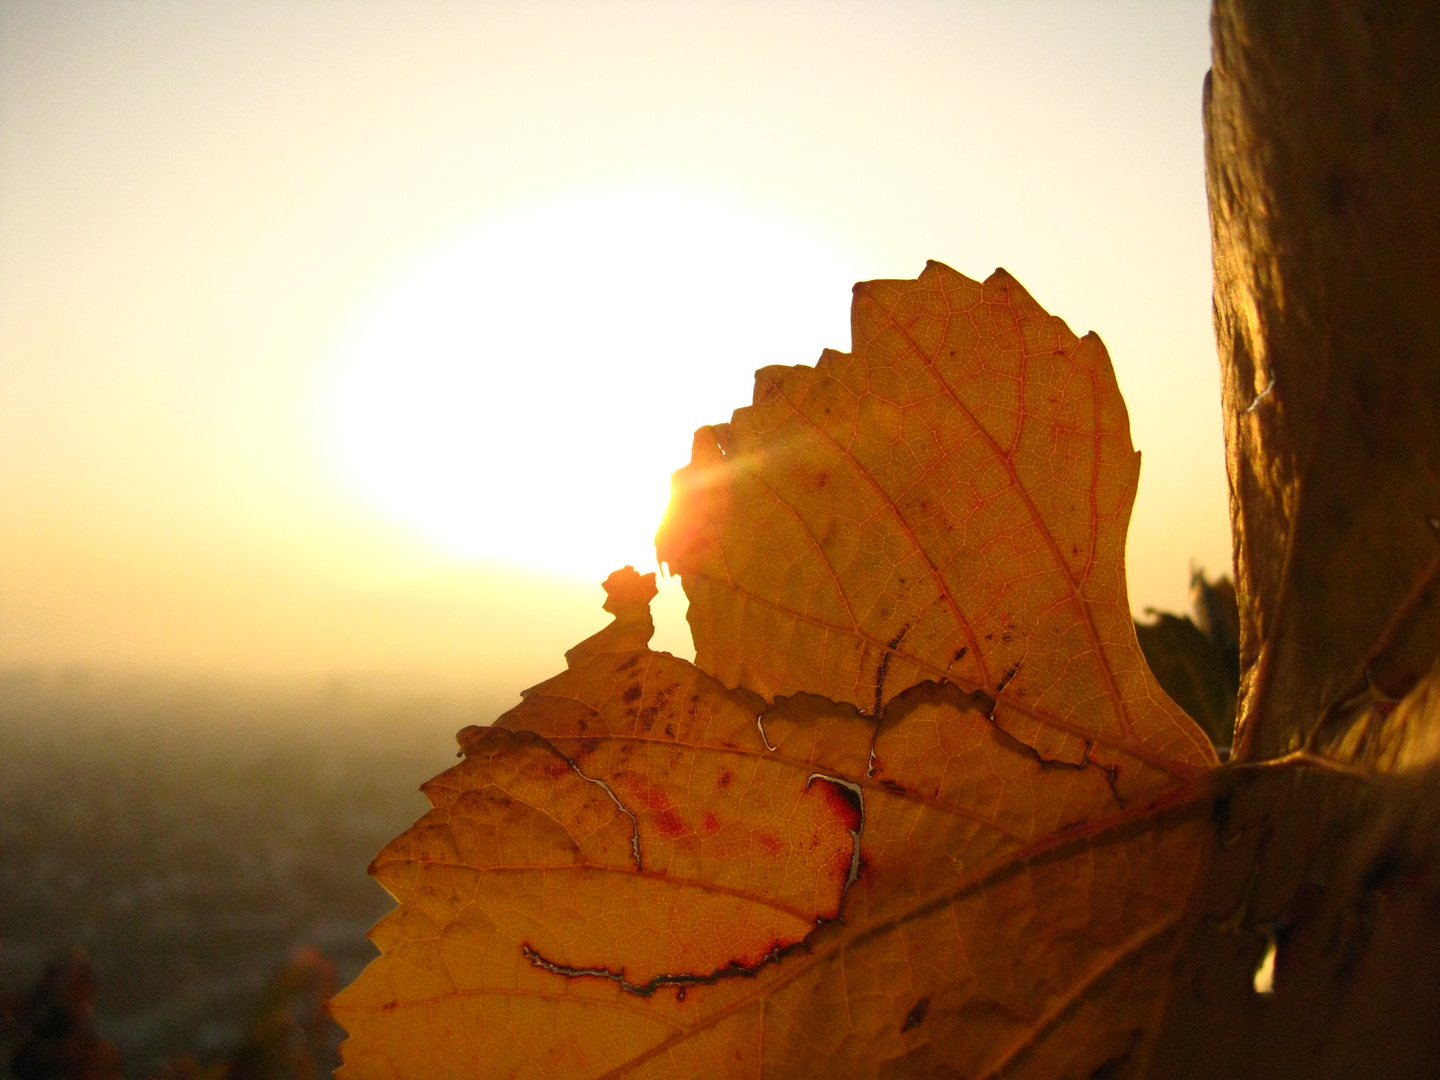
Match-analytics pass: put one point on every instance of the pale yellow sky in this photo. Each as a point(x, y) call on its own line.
point(211, 216)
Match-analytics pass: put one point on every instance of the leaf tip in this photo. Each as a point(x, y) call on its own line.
point(628, 592)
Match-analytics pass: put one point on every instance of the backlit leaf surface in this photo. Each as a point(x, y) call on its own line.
point(919, 809)
point(948, 502)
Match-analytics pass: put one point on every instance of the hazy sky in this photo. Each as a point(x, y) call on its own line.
point(361, 337)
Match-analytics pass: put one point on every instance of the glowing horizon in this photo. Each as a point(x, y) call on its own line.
point(224, 228)
point(522, 392)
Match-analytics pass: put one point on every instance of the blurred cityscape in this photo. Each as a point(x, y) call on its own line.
point(205, 844)
point(194, 838)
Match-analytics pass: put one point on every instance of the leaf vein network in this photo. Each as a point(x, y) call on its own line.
point(1122, 713)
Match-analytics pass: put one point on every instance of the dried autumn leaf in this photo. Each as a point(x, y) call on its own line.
point(919, 810)
point(1322, 170)
point(949, 503)
point(1323, 174)
point(1192, 668)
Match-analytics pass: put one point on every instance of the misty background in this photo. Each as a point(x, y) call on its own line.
point(232, 645)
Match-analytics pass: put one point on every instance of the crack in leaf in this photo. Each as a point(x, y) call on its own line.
point(605, 787)
point(683, 980)
point(760, 727)
point(888, 786)
point(1179, 769)
point(1175, 800)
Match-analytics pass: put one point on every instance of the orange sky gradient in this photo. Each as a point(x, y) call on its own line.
point(236, 239)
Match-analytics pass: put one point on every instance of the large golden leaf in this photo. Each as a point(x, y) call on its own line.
point(948, 502)
point(920, 810)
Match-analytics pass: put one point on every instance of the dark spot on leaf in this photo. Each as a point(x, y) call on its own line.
point(1010, 673)
point(725, 777)
point(632, 694)
point(916, 1016)
point(884, 667)
point(1106, 1069)
point(669, 824)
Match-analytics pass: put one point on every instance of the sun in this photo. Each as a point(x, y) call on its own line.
point(521, 392)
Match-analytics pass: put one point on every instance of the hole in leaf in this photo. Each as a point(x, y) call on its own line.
point(1265, 973)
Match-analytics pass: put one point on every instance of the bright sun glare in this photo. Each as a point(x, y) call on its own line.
point(521, 393)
